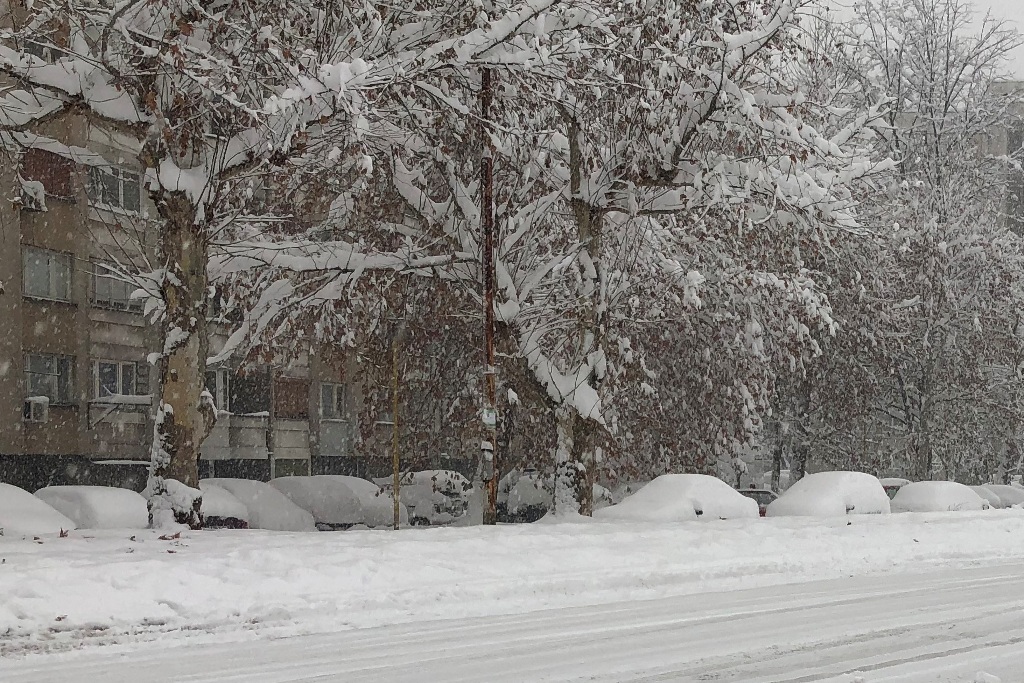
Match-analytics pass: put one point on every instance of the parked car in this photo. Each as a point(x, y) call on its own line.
point(832, 494)
point(681, 498)
point(267, 507)
point(432, 496)
point(893, 484)
point(22, 514)
point(937, 496)
point(763, 498)
point(1008, 495)
point(220, 509)
point(340, 502)
point(97, 507)
point(524, 496)
point(990, 496)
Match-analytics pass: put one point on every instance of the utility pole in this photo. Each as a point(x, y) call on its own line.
point(395, 460)
point(488, 446)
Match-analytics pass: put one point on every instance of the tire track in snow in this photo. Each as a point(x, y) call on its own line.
point(789, 633)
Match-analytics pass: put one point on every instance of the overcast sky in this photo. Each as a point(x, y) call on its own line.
point(1010, 10)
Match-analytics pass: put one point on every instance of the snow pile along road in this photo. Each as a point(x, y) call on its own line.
point(113, 587)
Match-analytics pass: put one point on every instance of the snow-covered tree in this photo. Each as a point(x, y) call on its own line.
point(950, 373)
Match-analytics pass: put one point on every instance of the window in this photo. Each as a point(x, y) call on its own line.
point(47, 274)
point(218, 383)
point(115, 378)
point(114, 187)
point(332, 401)
point(53, 171)
point(51, 376)
point(109, 290)
point(250, 392)
point(291, 398)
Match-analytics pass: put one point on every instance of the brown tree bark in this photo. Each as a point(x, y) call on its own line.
point(184, 417)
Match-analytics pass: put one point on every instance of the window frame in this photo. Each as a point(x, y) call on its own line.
point(120, 366)
point(64, 382)
point(128, 305)
point(94, 189)
point(52, 257)
point(221, 391)
point(339, 401)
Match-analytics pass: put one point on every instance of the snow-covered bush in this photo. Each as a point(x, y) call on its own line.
point(681, 498)
point(832, 494)
point(937, 496)
point(98, 507)
point(22, 514)
point(221, 509)
point(337, 501)
point(267, 507)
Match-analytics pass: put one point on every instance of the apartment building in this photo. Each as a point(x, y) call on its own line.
point(76, 389)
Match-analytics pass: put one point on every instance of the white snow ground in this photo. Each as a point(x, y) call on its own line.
point(910, 598)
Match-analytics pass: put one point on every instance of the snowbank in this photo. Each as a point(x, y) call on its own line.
point(22, 514)
point(1008, 495)
point(117, 587)
point(98, 507)
point(337, 501)
point(219, 505)
point(267, 507)
point(937, 496)
point(832, 494)
point(681, 498)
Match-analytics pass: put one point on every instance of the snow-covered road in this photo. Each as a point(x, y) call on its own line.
point(914, 597)
point(944, 625)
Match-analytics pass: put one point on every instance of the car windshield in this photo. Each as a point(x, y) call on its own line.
point(762, 497)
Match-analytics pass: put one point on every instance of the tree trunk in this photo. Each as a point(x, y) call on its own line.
point(922, 465)
point(798, 465)
point(184, 415)
point(567, 474)
point(777, 453)
point(583, 456)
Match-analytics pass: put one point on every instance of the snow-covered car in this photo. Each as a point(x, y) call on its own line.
point(763, 498)
point(524, 496)
point(98, 507)
point(220, 509)
point(1008, 495)
point(937, 496)
point(432, 496)
point(267, 507)
point(22, 514)
point(831, 494)
point(340, 502)
point(990, 496)
point(892, 485)
point(682, 498)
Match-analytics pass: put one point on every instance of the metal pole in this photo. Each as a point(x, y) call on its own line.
point(271, 409)
point(395, 464)
point(490, 469)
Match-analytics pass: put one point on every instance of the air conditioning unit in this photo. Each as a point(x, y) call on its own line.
point(37, 409)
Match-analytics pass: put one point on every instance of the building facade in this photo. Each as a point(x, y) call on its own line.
point(76, 384)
